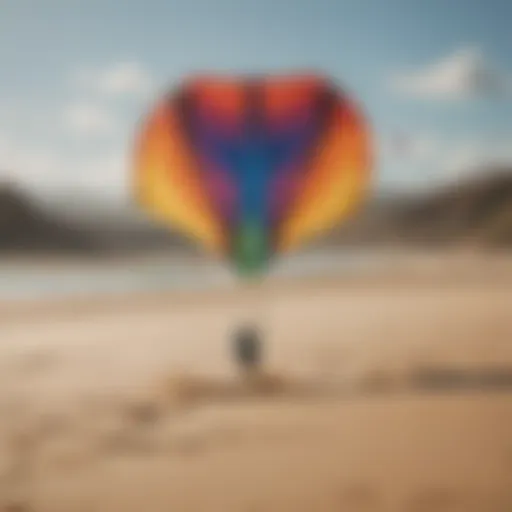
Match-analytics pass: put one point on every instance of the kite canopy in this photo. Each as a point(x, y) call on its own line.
point(253, 166)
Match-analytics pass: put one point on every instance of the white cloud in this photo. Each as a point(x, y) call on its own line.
point(464, 157)
point(105, 173)
point(471, 157)
point(409, 148)
point(35, 167)
point(97, 162)
point(119, 79)
point(464, 74)
point(43, 167)
point(90, 119)
point(420, 160)
point(42, 170)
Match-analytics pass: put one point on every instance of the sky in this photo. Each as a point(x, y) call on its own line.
point(433, 76)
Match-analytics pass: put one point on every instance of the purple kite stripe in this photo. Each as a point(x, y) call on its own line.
point(221, 189)
point(283, 190)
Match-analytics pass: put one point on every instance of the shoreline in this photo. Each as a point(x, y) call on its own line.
point(378, 281)
point(55, 261)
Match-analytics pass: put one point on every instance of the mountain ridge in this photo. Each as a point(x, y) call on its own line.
point(476, 211)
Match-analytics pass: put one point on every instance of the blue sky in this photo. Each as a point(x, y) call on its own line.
point(77, 74)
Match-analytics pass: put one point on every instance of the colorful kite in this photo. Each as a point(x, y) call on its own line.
point(254, 166)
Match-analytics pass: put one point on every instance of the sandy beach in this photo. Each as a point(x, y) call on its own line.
point(131, 403)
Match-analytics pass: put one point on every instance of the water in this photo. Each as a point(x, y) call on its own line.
point(21, 282)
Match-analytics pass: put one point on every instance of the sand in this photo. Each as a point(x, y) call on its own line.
point(131, 403)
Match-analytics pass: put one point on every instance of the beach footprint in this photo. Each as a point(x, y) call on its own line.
point(499, 500)
point(16, 506)
point(437, 499)
point(360, 497)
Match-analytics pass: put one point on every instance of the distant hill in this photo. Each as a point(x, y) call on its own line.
point(24, 227)
point(28, 226)
point(477, 212)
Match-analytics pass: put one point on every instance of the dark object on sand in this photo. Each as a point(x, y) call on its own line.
point(449, 378)
point(247, 346)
